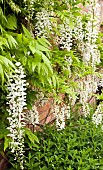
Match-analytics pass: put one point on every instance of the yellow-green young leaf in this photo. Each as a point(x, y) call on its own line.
point(5, 66)
point(2, 16)
point(1, 1)
point(11, 22)
point(6, 142)
point(42, 79)
point(39, 67)
point(47, 62)
point(26, 32)
point(25, 40)
point(71, 24)
point(50, 81)
point(44, 42)
point(31, 136)
point(38, 53)
point(6, 62)
point(32, 46)
point(54, 81)
point(1, 29)
point(44, 69)
point(3, 42)
point(19, 38)
point(34, 66)
point(2, 74)
point(41, 47)
point(11, 41)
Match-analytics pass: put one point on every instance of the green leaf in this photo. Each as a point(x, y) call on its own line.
point(11, 41)
point(55, 81)
point(5, 61)
point(3, 42)
point(71, 24)
point(34, 66)
point(43, 42)
point(3, 133)
point(6, 142)
point(2, 73)
point(1, 1)
point(32, 46)
point(31, 136)
point(11, 22)
point(41, 48)
point(5, 66)
point(39, 67)
point(26, 32)
point(50, 81)
point(20, 38)
point(47, 62)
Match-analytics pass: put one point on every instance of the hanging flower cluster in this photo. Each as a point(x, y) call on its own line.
point(98, 115)
point(78, 32)
point(43, 25)
point(17, 102)
point(32, 116)
point(65, 36)
point(91, 54)
point(61, 113)
point(29, 6)
point(85, 33)
point(87, 86)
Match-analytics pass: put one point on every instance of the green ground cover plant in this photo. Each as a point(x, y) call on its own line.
point(78, 147)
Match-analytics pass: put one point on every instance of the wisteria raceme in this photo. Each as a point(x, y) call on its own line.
point(29, 5)
point(86, 38)
point(78, 31)
point(85, 33)
point(87, 86)
point(66, 36)
point(98, 115)
point(86, 109)
point(17, 102)
point(61, 113)
point(32, 116)
point(91, 52)
point(43, 24)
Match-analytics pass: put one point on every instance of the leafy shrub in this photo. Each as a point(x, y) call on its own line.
point(78, 147)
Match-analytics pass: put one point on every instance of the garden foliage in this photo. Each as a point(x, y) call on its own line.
point(78, 147)
point(58, 48)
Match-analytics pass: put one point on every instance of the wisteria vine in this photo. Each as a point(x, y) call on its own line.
point(85, 34)
point(17, 103)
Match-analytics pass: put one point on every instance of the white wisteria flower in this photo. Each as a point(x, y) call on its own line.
point(98, 115)
point(97, 118)
point(17, 102)
point(61, 113)
point(29, 6)
point(43, 24)
point(65, 36)
point(32, 116)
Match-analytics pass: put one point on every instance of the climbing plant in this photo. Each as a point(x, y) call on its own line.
point(47, 48)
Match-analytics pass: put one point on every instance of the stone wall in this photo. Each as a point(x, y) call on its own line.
point(45, 112)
